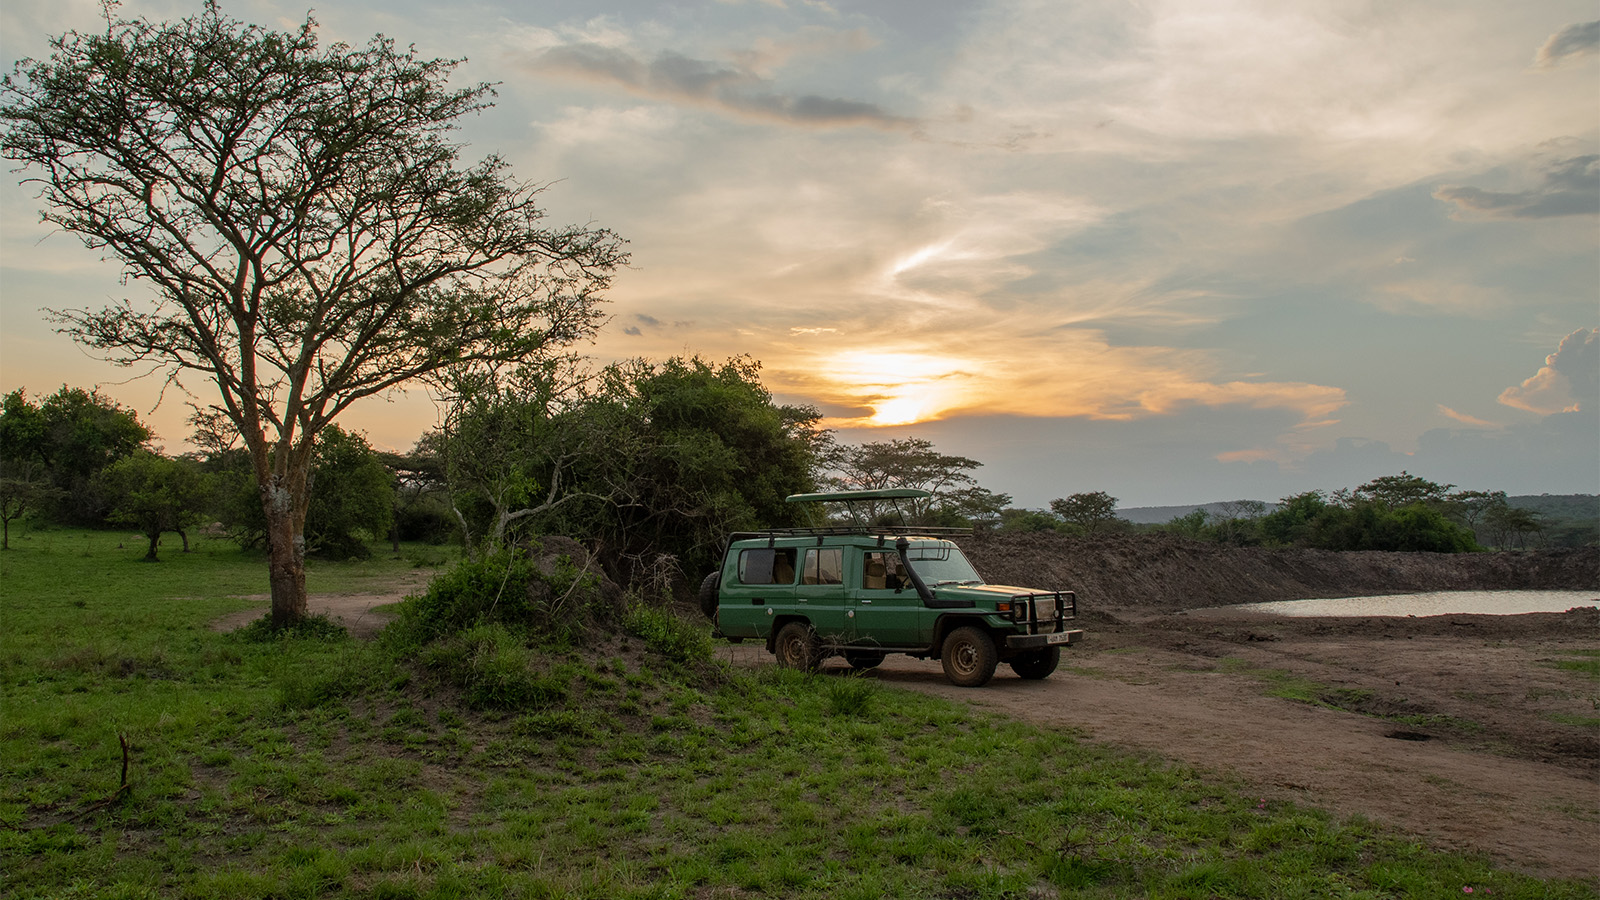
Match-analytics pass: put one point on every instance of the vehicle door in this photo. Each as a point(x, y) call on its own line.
point(821, 593)
point(755, 580)
point(886, 609)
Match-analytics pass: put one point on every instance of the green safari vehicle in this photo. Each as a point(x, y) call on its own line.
point(862, 591)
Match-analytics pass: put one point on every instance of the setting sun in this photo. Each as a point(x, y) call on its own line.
point(899, 388)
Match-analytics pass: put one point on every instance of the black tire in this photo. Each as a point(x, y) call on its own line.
point(969, 657)
point(708, 594)
point(1037, 664)
point(796, 647)
point(862, 660)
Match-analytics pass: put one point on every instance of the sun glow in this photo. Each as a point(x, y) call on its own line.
point(899, 388)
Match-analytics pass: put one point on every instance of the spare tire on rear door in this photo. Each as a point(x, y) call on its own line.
point(708, 594)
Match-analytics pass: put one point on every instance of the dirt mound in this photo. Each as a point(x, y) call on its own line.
point(1162, 573)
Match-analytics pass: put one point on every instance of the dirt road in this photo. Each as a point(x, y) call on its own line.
point(1508, 782)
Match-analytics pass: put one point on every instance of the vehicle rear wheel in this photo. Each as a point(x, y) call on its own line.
point(796, 647)
point(708, 594)
point(969, 657)
point(1037, 664)
point(862, 660)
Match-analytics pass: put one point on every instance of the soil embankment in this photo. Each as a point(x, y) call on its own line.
point(1131, 574)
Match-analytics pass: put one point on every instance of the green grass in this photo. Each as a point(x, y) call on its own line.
point(1586, 663)
point(315, 766)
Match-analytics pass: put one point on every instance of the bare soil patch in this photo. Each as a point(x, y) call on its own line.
point(357, 612)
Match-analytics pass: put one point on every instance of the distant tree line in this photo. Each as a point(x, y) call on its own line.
point(653, 463)
point(1401, 512)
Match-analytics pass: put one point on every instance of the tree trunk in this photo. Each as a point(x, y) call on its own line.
point(155, 538)
point(285, 509)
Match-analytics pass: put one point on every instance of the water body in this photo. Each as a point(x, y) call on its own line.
point(1437, 603)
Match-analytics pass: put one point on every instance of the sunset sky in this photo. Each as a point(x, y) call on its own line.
point(1176, 251)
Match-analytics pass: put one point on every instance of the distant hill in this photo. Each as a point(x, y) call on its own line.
point(1161, 515)
point(1556, 508)
point(1581, 507)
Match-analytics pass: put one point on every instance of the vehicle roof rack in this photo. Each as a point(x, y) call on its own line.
point(856, 529)
point(848, 496)
point(862, 506)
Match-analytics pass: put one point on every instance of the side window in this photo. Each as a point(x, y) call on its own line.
point(767, 565)
point(824, 565)
point(880, 571)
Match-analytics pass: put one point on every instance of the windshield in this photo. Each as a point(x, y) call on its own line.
point(942, 564)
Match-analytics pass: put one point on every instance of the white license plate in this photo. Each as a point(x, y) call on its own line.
point(1060, 637)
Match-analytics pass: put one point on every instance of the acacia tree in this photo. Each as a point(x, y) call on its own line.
point(1092, 511)
point(911, 463)
point(301, 217)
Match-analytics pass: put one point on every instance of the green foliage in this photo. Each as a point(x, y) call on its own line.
point(1089, 513)
point(1367, 519)
point(352, 496)
point(72, 435)
point(155, 494)
point(646, 458)
point(700, 450)
point(1405, 489)
point(494, 668)
point(913, 463)
point(505, 588)
point(668, 634)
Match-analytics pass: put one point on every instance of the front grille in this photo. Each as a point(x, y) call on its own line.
point(1044, 613)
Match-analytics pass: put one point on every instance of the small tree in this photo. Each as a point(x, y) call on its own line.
point(1397, 491)
point(507, 449)
point(911, 463)
point(155, 494)
point(300, 216)
point(1092, 512)
point(352, 495)
point(1510, 525)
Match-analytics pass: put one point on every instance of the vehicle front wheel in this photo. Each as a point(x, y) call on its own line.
point(969, 657)
point(796, 647)
point(1037, 664)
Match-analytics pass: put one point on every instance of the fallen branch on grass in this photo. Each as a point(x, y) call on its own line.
point(116, 795)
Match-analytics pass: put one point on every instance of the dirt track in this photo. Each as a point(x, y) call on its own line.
point(1498, 788)
point(1445, 726)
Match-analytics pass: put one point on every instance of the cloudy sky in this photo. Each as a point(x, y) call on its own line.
point(1176, 250)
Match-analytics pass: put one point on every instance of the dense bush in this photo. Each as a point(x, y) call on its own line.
point(546, 598)
point(668, 634)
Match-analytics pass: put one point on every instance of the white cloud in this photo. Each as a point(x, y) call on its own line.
point(1569, 380)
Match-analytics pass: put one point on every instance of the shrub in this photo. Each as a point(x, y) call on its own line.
point(494, 668)
point(668, 634)
point(507, 587)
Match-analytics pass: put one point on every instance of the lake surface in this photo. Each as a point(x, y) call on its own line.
point(1438, 603)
